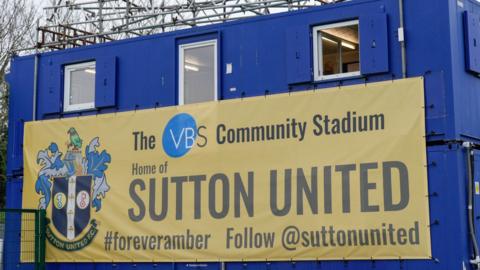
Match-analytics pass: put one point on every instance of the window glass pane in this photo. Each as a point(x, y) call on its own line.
point(82, 86)
point(199, 74)
point(350, 57)
point(330, 52)
point(339, 50)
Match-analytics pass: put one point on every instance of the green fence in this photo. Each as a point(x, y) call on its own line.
point(22, 238)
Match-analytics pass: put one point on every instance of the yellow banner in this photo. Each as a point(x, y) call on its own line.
point(319, 175)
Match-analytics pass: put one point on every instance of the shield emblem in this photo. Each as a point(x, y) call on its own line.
point(71, 204)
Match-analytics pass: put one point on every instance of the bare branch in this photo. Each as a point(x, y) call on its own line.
point(17, 30)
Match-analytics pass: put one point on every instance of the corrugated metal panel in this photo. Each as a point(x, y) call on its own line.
point(374, 44)
point(472, 41)
point(52, 97)
point(20, 110)
point(298, 54)
point(435, 105)
point(106, 82)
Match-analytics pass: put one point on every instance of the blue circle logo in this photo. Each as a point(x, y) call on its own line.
point(179, 135)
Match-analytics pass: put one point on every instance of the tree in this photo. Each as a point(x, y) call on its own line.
point(17, 30)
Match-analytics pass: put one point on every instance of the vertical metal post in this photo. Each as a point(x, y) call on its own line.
point(401, 35)
point(35, 78)
point(471, 222)
point(340, 57)
point(127, 16)
point(162, 21)
point(41, 236)
point(40, 240)
point(100, 20)
point(37, 240)
point(224, 11)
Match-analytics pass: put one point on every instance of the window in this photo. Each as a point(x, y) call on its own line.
point(336, 50)
point(197, 72)
point(79, 87)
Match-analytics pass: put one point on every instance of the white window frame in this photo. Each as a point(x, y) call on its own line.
point(181, 75)
point(67, 107)
point(318, 55)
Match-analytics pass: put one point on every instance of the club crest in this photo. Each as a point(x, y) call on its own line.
point(71, 188)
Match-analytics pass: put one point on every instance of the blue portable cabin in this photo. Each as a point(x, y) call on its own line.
point(274, 54)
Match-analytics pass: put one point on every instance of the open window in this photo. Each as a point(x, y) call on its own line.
point(79, 87)
point(336, 50)
point(197, 72)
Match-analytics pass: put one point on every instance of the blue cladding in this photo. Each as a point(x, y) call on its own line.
point(472, 41)
point(435, 109)
point(20, 110)
point(106, 82)
point(298, 54)
point(476, 201)
point(11, 241)
point(50, 102)
point(373, 44)
point(466, 96)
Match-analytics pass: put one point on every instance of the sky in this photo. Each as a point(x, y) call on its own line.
point(40, 3)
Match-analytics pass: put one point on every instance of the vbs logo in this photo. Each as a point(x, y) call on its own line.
point(74, 184)
point(180, 135)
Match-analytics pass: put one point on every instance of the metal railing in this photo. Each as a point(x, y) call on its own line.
point(22, 238)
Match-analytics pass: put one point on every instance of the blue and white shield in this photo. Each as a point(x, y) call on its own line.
point(71, 204)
